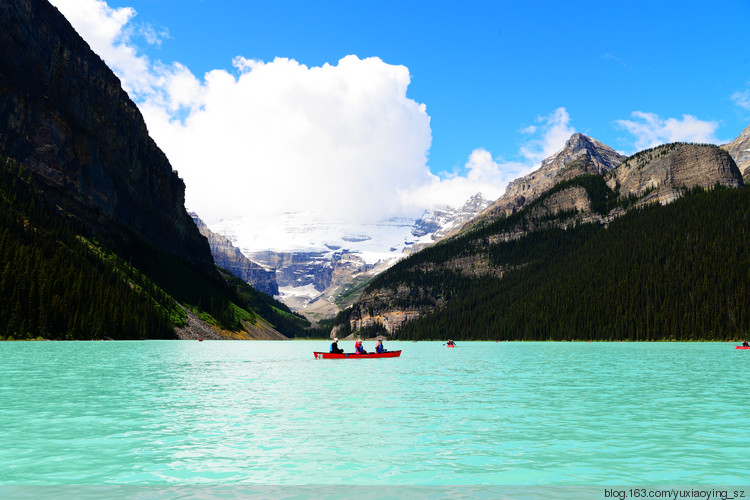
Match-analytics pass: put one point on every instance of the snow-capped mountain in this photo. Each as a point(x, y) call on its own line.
point(317, 261)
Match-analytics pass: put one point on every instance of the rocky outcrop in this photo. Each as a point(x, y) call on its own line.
point(740, 151)
point(229, 257)
point(196, 329)
point(445, 222)
point(661, 174)
point(440, 222)
point(573, 199)
point(65, 117)
point(376, 308)
point(581, 155)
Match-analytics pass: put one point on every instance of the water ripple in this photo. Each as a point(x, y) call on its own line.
point(164, 412)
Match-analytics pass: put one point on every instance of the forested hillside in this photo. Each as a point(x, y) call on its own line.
point(58, 281)
point(680, 271)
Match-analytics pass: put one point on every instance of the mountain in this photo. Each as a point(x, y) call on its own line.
point(321, 266)
point(581, 155)
point(65, 118)
point(440, 223)
point(662, 173)
point(95, 241)
point(229, 257)
point(740, 151)
point(628, 253)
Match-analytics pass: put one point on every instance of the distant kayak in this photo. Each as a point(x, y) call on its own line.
point(330, 355)
point(741, 347)
point(451, 345)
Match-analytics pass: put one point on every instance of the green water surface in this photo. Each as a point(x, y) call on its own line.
point(221, 412)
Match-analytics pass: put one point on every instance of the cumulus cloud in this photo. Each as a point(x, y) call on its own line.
point(338, 141)
point(490, 176)
point(651, 130)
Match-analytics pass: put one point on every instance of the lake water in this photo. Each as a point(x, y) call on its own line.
point(267, 413)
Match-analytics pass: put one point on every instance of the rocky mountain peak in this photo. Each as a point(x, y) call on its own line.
point(476, 204)
point(581, 155)
point(740, 151)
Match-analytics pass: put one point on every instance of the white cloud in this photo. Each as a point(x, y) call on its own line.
point(555, 130)
point(483, 175)
point(491, 176)
point(109, 33)
point(651, 130)
point(338, 140)
point(341, 141)
point(742, 98)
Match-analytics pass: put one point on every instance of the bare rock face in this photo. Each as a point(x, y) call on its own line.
point(65, 117)
point(298, 268)
point(659, 174)
point(229, 257)
point(373, 309)
point(740, 151)
point(581, 155)
point(574, 199)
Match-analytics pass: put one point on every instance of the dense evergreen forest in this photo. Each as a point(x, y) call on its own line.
point(58, 281)
point(674, 272)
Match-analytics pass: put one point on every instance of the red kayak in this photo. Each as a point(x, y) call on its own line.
point(450, 345)
point(330, 355)
point(741, 347)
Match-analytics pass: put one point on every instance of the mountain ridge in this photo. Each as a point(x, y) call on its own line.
point(229, 257)
point(653, 177)
point(96, 240)
point(65, 117)
point(580, 155)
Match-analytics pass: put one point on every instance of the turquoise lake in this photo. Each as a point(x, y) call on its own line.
point(268, 413)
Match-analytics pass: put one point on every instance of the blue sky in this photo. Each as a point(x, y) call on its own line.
point(502, 83)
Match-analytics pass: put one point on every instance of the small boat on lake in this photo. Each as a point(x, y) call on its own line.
point(330, 355)
point(741, 347)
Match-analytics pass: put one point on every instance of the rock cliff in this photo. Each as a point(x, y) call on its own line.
point(660, 174)
point(581, 155)
point(229, 257)
point(65, 117)
point(740, 151)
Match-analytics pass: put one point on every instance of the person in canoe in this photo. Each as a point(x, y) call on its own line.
point(450, 343)
point(379, 347)
point(359, 348)
point(335, 347)
point(745, 344)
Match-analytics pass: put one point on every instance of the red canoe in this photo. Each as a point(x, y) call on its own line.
point(330, 355)
point(741, 347)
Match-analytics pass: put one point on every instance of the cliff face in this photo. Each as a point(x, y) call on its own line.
point(581, 155)
point(740, 151)
point(65, 117)
point(229, 257)
point(658, 174)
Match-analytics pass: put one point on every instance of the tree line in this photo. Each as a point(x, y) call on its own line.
point(59, 281)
